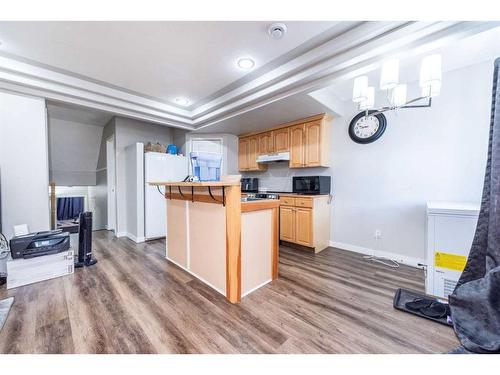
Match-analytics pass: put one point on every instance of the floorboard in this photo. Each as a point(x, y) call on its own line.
point(134, 301)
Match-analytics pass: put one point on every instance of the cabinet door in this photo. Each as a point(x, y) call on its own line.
point(243, 154)
point(297, 149)
point(313, 144)
point(287, 224)
point(253, 147)
point(303, 226)
point(281, 140)
point(265, 143)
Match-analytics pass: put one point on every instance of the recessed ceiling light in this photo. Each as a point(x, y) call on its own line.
point(246, 63)
point(182, 101)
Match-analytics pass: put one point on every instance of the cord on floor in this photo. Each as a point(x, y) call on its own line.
point(382, 260)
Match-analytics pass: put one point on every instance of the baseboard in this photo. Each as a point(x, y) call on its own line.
point(121, 234)
point(403, 259)
point(134, 238)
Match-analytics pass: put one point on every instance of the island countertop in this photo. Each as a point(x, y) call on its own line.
point(197, 184)
point(230, 245)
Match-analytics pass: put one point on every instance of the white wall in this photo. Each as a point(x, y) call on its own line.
point(425, 155)
point(74, 150)
point(24, 171)
point(101, 189)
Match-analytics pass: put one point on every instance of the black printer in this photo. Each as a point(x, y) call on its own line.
point(40, 243)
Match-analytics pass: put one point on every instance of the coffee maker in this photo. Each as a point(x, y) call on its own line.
point(250, 185)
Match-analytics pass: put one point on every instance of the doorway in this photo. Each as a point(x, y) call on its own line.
point(111, 182)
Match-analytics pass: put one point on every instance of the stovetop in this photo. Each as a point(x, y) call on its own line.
point(259, 196)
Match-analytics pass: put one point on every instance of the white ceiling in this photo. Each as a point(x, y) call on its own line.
point(273, 114)
point(471, 50)
point(136, 69)
point(81, 115)
point(163, 60)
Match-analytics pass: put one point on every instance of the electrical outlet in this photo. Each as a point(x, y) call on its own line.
point(378, 234)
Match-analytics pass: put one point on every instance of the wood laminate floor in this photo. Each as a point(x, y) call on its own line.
point(134, 301)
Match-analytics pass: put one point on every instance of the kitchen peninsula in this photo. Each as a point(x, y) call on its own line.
point(230, 245)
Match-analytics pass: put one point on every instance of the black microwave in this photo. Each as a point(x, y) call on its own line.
point(312, 184)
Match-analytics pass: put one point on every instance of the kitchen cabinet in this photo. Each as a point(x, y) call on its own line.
point(297, 149)
point(281, 139)
point(305, 221)
point(312, 147)
point(303, 226)
point(287, 224)
point(306, 145)
point(248, 150)
point(266, 143)
point(243, 154)
point(307, 140)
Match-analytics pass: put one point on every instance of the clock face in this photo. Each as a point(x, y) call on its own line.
point(367, 127)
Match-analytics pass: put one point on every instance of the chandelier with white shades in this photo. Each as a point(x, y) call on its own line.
point(430, 85)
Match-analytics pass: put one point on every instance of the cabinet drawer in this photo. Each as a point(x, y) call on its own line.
point(287, 201)
point(304, 202)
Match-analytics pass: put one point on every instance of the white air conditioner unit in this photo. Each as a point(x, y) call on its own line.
point(269, 158)
point(450, 231)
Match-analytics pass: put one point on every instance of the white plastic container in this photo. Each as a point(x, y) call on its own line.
point(206, 165)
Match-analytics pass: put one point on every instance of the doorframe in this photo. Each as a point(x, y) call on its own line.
point(111, 182)
point(208, 138)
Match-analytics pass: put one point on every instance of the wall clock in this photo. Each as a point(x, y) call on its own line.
point(367, 128)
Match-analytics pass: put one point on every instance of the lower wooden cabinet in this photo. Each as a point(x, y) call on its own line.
point(303, 226)
point(305, 221)
point(287, 223)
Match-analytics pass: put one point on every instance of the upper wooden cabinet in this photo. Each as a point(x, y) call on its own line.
point(248, 150)
point(312, 149)
point(297, 146)
point(307, 140)
point(266, 143)
point(243, 154)
point(281, 139)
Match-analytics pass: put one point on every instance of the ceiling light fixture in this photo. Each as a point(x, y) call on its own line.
point(277, 30)
point(430, 84)
point(182, 101)
point(246, 63)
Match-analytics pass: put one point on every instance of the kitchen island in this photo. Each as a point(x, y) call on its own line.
point(230, 245)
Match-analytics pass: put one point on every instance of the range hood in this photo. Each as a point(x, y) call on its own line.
point(269, 158)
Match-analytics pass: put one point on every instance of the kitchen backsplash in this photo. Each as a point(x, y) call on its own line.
point(278, 176)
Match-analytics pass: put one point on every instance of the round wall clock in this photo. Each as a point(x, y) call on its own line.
point(367, 128)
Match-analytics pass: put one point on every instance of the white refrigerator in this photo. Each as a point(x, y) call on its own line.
point(159, 167)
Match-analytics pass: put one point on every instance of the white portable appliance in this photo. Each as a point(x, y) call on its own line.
point(450, 231)
point(159, 167)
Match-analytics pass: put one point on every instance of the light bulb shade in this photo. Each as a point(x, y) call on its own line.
point(389, 78)
point(369, 102)
point(430, 72)
point(359, 89)
point(431, 90)
point(399, 95)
